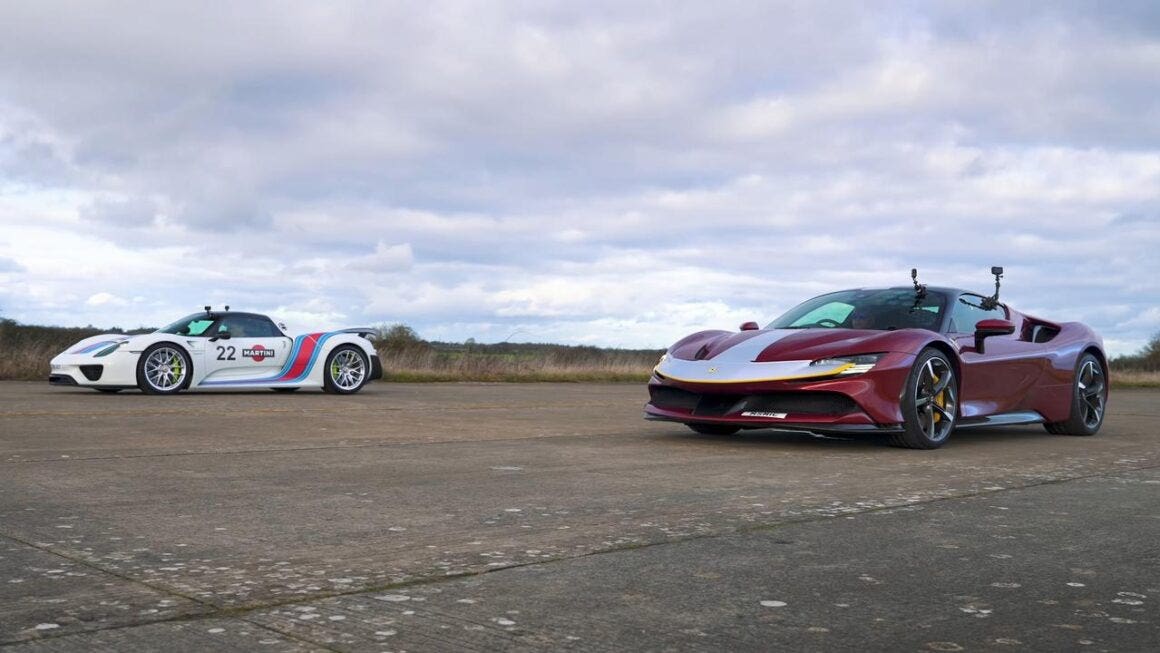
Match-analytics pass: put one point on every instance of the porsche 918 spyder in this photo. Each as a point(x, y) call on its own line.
point(220, 350)
point(912, 363)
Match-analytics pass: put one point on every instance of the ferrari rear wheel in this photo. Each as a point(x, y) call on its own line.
point(714, 429)
point(1089, 399)
point(929, 403)
point(163, 369)
point(347, 369)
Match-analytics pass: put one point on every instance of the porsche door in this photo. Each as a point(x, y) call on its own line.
point(245, 347)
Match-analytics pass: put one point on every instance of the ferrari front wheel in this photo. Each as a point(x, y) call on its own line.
point(346, 370)
point(1089, 398)
point(163, 369)
point(929, 402)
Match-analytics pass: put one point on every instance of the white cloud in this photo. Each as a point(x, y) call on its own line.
point(590, 173)
point(105, 299)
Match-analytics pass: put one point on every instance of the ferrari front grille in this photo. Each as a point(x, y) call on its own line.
point(720, 405)
point(809, 403)
point(666, 397)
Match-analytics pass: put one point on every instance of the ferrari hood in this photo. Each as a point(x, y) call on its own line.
point(777, 354)
point(787, 344)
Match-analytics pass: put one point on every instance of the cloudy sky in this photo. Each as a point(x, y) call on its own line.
point(611, 173)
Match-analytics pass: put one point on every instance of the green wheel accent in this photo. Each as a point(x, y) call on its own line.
point(347, 370)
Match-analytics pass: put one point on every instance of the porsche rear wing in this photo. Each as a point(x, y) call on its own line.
point(369, 333)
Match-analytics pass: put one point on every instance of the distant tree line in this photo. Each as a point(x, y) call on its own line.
point(1146, 360)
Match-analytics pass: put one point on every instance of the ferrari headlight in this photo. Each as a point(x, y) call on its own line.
point(857, 364)
point(108, 350)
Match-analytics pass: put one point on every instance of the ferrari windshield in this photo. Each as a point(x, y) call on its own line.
point(190, 325)
point(881, 310)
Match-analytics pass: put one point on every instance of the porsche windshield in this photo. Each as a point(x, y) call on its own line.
point(190, 325)
point(881, 310)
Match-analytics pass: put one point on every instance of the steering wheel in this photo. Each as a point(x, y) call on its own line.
point(827, 322)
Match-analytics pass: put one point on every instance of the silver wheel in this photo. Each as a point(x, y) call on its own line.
point(1092, 394)
point(929, 402)
point(934, 399)
point(1089, 399)
point(163, 369)
point(346, 370)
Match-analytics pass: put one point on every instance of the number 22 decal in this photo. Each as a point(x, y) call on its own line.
point(226, 353)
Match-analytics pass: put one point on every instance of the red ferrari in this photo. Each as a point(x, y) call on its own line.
point(913, 363)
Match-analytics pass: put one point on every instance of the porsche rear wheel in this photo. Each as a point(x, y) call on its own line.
point(1089, 398)
point(714, 429)
point(929, 403)
point(163, 369)
point(347, 369)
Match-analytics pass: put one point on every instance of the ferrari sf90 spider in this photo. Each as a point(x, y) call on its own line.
point(913, 363)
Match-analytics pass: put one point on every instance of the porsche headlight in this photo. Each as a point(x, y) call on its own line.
point(857, 364)
point(108, 350)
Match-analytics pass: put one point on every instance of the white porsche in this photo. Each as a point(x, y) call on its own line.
point(216, 350)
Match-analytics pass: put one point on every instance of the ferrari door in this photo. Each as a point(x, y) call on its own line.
point(997, 380)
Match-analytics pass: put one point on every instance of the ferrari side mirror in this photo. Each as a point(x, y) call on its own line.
point(987, 328)
point(750, 326)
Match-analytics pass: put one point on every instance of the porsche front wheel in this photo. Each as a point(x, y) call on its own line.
point(346, 370)
point(163, 369)
point(1089, 398)
point(929, 402)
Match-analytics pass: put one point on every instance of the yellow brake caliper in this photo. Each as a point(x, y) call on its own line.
point(939, 399)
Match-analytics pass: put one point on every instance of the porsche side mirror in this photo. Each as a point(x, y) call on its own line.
point(224, 335)
point(750, 326)
point(987, 328)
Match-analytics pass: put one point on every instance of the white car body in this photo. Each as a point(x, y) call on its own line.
point(222, 355)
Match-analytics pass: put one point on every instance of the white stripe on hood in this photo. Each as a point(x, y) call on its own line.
point(749, 350)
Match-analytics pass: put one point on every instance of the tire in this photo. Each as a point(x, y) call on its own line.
point(1089, 399)
point(284, 389)
point(929, 402)
point(163, 369)
point(347, 370)
point(714, 429)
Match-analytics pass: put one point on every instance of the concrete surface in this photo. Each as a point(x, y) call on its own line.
point(453, 517)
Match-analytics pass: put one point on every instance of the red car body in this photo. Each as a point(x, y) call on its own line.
point(1008, 368)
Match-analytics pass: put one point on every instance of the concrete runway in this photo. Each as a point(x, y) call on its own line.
point(451, 517)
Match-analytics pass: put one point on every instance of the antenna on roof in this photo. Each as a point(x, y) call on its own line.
point(992, 302)
point(227, 307)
